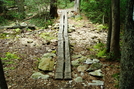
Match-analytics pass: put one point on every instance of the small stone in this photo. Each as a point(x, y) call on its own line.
point(30, 41)
point(96, 83)
point(96, 60)
point(81, 68)
point(49, 55)
point(91, 61)
point(49, 26)
point(77, 56)
point(71, 29)
point(96, 73)
point(38, 75)
point(84, 84)
point(78, 79)
point(94, 66)
point(82, 59)
point(75, 63)
point(23, 24)
point(56, 26)
point(51, 74)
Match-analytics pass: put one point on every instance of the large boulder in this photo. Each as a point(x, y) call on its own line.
point(78, 79)
point(47, 62)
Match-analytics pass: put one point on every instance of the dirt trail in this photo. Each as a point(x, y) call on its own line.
point(30, 46)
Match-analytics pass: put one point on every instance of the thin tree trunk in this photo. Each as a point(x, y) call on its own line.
point(127, 55)
point(77, 6)
point(1, 6)
point(3, 84)
point(109, 32)
point(114, 46)
point(53, 9)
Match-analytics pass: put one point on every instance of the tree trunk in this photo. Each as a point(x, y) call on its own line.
point(109, 32)
point(114, 47)
point(53, 9)
point(1, 6)
point(3, 84)
point(77, 6)
point(127, 55)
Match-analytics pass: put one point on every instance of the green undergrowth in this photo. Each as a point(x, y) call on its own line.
point(47, 36)
point(116, 77)
point(9, 59)
point(101, 51)
point(65, 4)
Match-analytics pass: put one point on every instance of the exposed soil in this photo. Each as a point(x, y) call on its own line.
point(20, 76)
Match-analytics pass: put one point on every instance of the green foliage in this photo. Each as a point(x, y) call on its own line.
point(9, 58)
point(101, 27)
point(101, 52)
point(96, 10)
point(3, 35)
point(17, 30)
point(116, 76)
point(47, 36)
point(64, 4)
point(9, 68)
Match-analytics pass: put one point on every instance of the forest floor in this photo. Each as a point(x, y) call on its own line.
point(31, 45)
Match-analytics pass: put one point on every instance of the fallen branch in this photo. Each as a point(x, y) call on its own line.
point(18, 26)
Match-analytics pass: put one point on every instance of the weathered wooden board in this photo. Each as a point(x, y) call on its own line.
point(63, 68)
point(67, 72)
point(60, 59)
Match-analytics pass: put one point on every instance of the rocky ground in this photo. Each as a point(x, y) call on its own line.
point(23, 52)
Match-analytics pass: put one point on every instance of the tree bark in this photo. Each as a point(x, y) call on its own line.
point(53, 9)
point(127, 55)
point(3, 84)
point(77, 6)
point(109, 31)
point(114, 47)
point(1, 6)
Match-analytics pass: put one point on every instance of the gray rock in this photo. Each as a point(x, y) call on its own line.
point(49, 55)
point(38, 75)
point(82, 59)
point(77, 56)
point(96, 83)
point(56, 26)
point(81, 68)
point(71, 29)
point(91, 61)
point(78, 79)
point(96, 73)
point(23, 24)
point(75, 63)
point(46, 64)
point(94, 66)
point(96, 60)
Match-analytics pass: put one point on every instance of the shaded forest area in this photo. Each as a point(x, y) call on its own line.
point(28, 29)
